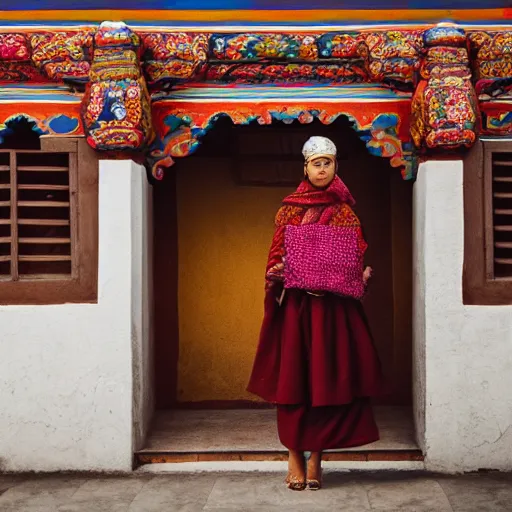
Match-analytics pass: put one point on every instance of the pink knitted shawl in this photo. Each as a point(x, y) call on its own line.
point(318, 244)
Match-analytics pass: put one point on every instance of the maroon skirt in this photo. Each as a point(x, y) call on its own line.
point(316, 360)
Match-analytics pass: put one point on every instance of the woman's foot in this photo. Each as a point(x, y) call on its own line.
point(314, 471)
point(296, 478)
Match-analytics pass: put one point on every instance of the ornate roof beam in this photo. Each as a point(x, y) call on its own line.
point(114, 64)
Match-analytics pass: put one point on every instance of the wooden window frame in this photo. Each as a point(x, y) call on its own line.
point(480, 287)
point(82, 285)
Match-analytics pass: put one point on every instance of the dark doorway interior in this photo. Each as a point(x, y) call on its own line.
point(261, 157)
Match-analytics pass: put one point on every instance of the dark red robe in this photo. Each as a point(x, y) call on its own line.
point(316, 359)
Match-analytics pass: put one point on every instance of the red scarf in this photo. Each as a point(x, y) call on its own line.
point(307, 195)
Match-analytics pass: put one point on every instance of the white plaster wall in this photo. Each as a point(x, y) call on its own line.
point(468, 349)
point(142, 306)
point(66, 371)
point(418, 310)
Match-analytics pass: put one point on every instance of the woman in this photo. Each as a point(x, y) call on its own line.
point(316, 359)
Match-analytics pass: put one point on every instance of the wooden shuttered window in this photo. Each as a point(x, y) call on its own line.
point(37, 214)
point(48, 223)
point(499, 244)
point(488, 223)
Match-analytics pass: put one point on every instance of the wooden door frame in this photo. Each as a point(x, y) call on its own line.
point(166, 320)
point(165, 300)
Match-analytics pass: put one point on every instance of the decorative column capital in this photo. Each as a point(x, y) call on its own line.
point(116, 108)
point(444, 106)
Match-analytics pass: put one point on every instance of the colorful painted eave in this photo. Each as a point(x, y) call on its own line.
point(184, 116)
point(156, 92)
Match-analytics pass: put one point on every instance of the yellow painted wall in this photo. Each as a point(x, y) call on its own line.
point(224, 234)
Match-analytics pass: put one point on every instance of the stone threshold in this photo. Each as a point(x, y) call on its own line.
point(146, 457)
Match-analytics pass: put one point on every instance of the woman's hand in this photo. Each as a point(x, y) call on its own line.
point(368, 271)
point(276, 273)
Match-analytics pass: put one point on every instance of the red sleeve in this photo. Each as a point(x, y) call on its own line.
point(275, 266)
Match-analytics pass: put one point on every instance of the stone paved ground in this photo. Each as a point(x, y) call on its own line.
point(354, 492)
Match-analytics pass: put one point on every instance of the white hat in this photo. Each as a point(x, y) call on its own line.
point(318, 146)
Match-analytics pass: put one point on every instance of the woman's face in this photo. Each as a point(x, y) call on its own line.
point(321, 171)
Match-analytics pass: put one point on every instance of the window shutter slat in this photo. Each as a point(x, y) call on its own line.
point(43, 222)
point(43, 187)
point(45, 204)
point(503, 245)
point(39, 168)
point(45, 257)
point(503, 261)
point(44, 240)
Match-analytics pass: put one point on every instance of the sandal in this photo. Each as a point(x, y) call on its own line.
point(313, 484)
point(295, 483)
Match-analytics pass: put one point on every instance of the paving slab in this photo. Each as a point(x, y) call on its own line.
point(8, 481)
point(406, 493)
point(479, 493)
point(268, 492)
point(40, 494)
point(179, 493)
point(112, 494)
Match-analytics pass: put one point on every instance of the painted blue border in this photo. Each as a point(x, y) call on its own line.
point(277, 24)
point(70, 5)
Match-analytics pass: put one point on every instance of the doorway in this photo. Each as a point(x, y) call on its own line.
point(213, 225)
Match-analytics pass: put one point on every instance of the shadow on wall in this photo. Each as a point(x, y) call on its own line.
point(20, 133)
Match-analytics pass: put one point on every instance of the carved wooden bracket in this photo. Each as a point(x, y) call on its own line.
point(444, 107)
point(116, 108)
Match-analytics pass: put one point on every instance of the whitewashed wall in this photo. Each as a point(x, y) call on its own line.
point(142, 305)
point(76, 380)
point(463, 354)
point(68, 398)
